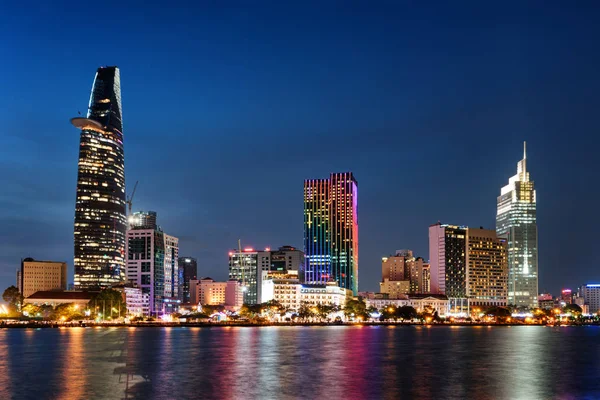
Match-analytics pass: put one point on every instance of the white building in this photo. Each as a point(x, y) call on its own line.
point(437, 303)
point(137, 303)
point(172, 283)
point(291, 294)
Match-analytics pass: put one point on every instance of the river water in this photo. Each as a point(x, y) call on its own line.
point(336, 362)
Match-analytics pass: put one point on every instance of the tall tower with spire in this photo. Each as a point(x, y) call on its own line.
point(516, 221)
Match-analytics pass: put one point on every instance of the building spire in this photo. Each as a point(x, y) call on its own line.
point(524, 150)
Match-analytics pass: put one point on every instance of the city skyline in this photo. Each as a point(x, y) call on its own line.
point(366, 125)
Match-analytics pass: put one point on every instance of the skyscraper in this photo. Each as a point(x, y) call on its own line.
point(516, 220)
point(243, 267)
point(487, 268)
point(469, 265)
point(189, 268)
point(331, 230)
point(447, 258)
point(100, 223)
point(152, 263)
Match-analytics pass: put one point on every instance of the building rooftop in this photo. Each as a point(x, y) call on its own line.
point(61, 295)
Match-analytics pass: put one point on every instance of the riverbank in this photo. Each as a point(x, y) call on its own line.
point(229, 324)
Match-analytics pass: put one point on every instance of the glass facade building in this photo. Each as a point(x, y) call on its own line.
point(516, 221)
point(243, 267)
point(153, 263)
point(100, 221)
point(331, 230)
point(189, 270)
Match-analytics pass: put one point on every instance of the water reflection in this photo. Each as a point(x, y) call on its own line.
point(308, 362)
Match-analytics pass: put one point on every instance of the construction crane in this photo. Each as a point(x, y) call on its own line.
point(129, 200)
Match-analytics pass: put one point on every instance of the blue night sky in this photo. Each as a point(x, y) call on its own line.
point(227, 109)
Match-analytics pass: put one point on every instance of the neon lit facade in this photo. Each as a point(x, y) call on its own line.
point(516, 220)
point(100, 222)
point(331, 230)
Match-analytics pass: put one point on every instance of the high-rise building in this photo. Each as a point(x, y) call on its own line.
point(487, 268)
point(253, 268)
point(447, 259)
point(35, 276)
point(152, 264)
point(516, 220)
point(469, 264)
point(189, 268)
point(284, 260)
point(100, 222)
point(243, 267)
point(331, 230)
point(591, 296)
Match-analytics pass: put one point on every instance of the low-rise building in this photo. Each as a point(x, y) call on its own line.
point(292, 294)
point(137, 302)
point(207, 291)
point(420, 302)
point(545, 301)
point(395, 289)
point(54, 298)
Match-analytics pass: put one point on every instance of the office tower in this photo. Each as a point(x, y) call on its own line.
point(516, 220)
point(35, 276)
point(152, 263)
point(100, 222)
point(284, 260)
point(447, 259)
point(243, 267)
point(487, 268)
point(173, 276)
point(189, 268)
point(254, 268)
point(591, 296)
point(331, 230)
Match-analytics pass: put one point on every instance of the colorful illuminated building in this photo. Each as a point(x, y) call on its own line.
point(100, 223)
point(516, 220)
point(331, 230)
